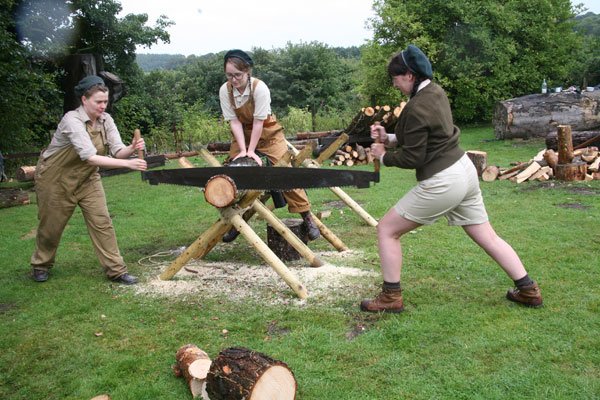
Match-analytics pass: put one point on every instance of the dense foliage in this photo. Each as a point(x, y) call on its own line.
point(36, 37)
point(482, 52)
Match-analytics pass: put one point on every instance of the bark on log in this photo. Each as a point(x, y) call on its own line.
point(280, 246)
point(13, 197)
point(479, 159)
point(571, 172)
point(537, 115)
point(193, 364)
point(580, 139)
point(25, 173)
point(565, 144)
point(238, 373)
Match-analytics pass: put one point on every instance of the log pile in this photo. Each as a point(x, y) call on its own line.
point(568, 164)
point(359, 129)
point(350, 155)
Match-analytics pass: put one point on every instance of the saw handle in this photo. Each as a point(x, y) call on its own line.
point(376, 163)
point(137, 135)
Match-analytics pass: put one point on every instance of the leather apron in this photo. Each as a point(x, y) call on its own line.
point(62, 182)
point(271, 143)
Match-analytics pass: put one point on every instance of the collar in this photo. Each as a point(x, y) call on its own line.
point(423, 84)
point(85, 117)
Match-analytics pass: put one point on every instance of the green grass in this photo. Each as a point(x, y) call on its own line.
point(78, 335)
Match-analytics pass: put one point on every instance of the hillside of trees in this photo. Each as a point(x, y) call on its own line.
point(481, 53)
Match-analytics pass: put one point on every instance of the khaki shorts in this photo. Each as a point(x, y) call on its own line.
point(453, 193)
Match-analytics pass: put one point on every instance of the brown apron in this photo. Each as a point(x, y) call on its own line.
point(62, 182)
point(271, 143)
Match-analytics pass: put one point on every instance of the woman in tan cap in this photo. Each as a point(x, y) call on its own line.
point(246, 104)
point(67, 176)
point(425, 139)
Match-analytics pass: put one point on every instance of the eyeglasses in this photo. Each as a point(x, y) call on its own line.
point(237, 76)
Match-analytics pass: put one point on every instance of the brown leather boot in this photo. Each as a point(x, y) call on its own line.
point(311, 228)
point(529, 296)
point(389, 300)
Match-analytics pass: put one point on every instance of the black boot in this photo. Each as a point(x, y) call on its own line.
point(231, 235)
point(311, 228)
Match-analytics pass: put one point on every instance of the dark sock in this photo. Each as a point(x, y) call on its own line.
point(524, 281)
point(391, 285)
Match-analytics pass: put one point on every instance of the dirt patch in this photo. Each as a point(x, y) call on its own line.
point(6, 307)
point(329, 283)
point(575, 188)
point(576, 206)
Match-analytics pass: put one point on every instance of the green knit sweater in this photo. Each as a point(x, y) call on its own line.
point(427, 137)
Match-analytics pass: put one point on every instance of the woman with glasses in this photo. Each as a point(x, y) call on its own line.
point(246, 104)
point(425, 139)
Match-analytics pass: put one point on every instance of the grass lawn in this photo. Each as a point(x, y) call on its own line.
point(78, 335)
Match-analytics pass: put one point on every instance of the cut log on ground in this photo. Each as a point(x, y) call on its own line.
point(193, 364)
point(527, 172)
point(280, 246)
point(490, 173)
point(571, 172)
point(479, 159)
point(13, 197)
point(25, 173)
point(537, 115)
point(238, 373)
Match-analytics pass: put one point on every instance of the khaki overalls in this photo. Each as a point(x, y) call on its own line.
point(271, 143)
point(63, 181)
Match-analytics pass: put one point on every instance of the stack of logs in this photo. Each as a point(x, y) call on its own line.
point(568, 164)
point(350, 155)
point(367, 116)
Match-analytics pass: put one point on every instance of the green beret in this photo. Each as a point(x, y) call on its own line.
point(416, 61)
point(239, 54)
point(86, 83)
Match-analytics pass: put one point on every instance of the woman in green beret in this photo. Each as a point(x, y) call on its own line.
point(67, 176)
point(425, 139)
point(246, 104)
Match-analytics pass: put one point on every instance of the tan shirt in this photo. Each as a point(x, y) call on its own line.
point(71, 131)
point(262, 101)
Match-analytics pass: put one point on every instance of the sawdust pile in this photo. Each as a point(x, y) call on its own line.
point(241, 282)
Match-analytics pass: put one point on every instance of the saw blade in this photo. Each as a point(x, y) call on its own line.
point(264, 178)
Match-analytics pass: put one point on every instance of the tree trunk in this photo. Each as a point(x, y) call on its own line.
point(242, 374)
point(280, 246)
point(565, 144)
point(537, 115)
point(571, 172)
point(13, 197)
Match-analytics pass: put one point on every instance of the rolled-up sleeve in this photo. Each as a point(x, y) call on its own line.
point(113, 137)
point(226, 107)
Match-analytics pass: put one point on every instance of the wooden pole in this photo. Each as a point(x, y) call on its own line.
point(201, 246)
point(287, 234)
point(267, 254)
point(327, 234)
point(137, 135)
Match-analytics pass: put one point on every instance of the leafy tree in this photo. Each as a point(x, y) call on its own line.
point(305, 75)
point(588, 68)
point(481, 51)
